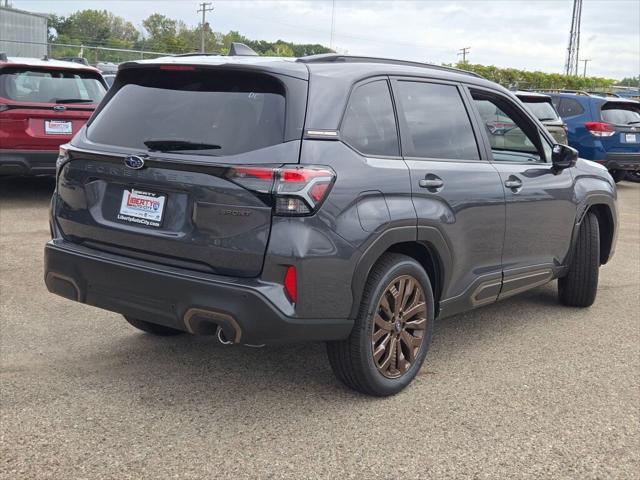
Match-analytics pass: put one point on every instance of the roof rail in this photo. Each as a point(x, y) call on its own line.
point(562, 90)
point(195, 54)
point(337, 58)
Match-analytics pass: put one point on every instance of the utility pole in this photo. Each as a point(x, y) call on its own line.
point(573, 50)
point(333, 23)
point(204, 8)
point(463, 52)
point(585, 60)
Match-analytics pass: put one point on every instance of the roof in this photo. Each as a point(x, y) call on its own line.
point(24, 12)
point(590, 96)
point(40, 63)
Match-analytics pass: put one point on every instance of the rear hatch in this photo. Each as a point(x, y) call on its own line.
point(41, 108)
point(619, 130)
point(177, 167)
point(542, 107)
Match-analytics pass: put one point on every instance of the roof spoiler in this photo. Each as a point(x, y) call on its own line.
point(241, 50)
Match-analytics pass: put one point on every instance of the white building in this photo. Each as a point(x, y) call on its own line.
point(22, 34)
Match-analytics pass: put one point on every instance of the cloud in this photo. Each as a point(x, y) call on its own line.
point(531, 34)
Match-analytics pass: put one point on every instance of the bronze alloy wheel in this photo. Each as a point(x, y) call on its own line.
point(400, 321)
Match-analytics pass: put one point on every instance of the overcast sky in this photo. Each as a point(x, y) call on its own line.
point(531, 34)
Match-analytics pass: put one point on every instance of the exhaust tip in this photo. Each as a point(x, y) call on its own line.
point(222, 338)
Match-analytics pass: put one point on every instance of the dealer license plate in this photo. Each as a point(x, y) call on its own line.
point(141, 208)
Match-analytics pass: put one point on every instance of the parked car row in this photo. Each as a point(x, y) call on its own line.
point(43, 104)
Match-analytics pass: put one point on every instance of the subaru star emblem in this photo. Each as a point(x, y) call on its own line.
point(134, 161)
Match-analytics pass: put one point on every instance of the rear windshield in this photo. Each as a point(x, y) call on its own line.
point(232, 112)
point(543, 111)
point(621, 114)
point(50, 86)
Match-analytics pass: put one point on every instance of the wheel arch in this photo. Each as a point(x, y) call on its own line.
point(427, 247)
point(606, 225)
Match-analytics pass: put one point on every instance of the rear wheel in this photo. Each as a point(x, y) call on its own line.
point(153, 328)
point(392, 332)
point(618, 175)
point(633, 176)
point(579, 287)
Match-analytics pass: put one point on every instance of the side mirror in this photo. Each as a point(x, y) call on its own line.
point(563, 156)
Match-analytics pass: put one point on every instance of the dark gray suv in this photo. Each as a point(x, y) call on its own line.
point(329, 198)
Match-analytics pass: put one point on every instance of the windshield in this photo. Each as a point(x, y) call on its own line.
point(621, 114)
point(50, 86)
point(232, 112)
point(543, 111)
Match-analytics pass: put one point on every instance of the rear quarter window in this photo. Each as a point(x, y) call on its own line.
point(369, 123)
point(569, 107)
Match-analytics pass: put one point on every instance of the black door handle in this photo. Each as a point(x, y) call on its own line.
point(513, 183)
point(431, 181)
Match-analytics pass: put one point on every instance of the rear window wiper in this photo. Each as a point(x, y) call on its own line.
point(74, 100)
point(171, 145)
point(634, 122)
point(546, 119)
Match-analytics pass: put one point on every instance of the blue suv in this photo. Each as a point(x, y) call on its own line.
point(603, 129)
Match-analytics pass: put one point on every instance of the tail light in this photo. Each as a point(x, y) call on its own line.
point(600, 129)
point(296, 190)
point(291, 283)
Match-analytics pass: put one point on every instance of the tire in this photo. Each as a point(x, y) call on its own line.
point(352, 360)
point(153, 328)
point(618, 175)
point(633, 176)
point(579, 287)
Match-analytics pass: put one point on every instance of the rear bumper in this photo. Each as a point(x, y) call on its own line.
point(623, 161)
point(28, 162)
point(180, 299)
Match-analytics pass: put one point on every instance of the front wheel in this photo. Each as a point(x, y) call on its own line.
point(579, 287)
point(392, 332)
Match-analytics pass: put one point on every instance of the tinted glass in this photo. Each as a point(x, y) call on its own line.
point(508, 141)
point(569, 107)
point(543, 111)
point(369, 124)
point(621, 114)
point(50, 86)
point(437, 121)
point(235, 112)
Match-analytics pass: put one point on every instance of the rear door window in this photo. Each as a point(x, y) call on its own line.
point(50, 86)
point(219, 113)
point(437, 122)
point(621, 113)
point(369, 123)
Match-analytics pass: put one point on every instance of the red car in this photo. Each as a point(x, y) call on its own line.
point(43, 103)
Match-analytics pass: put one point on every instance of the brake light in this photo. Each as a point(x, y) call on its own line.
point(297, 190)
point(291, 283)
point(600, 129)
point(177, 67)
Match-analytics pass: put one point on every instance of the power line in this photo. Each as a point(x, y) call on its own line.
point(204, 8)
point(463, 52)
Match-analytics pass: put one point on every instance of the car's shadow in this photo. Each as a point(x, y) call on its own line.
point(37, 188)
point(201, 370)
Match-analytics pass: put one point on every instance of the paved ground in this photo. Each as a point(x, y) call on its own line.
point(521, 389)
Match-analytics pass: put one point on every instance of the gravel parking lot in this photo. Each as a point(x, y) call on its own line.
point(521, 389)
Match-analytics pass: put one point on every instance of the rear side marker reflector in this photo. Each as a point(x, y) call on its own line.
point(291, 283)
